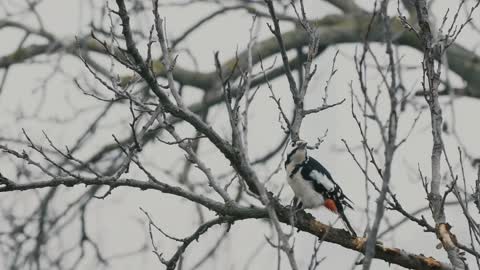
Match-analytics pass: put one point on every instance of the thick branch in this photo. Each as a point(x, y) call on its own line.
point(332, 30)
point(303, 221)
point(347, 6)
point(431, 81)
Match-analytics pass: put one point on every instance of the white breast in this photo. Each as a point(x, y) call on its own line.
point(304, 191)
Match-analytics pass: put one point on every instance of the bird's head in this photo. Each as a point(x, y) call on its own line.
point(297, 153)
point(300, 144)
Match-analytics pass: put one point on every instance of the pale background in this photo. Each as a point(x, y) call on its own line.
point(117, 223)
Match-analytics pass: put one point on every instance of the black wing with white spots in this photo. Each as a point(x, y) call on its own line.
point(323, 182)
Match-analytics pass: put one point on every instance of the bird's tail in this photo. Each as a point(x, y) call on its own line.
point(347, 223)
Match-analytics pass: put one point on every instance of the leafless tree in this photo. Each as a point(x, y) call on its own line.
point(128, 106)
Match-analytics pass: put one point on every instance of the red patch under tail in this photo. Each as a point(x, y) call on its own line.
point(330, 205)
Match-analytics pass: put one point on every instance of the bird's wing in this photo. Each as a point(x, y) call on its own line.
point(324, 184)
point(321, 179)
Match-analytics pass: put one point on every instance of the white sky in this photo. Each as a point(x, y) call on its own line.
point(118, 224)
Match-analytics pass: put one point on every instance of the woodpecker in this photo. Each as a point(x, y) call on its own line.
point(313, 185)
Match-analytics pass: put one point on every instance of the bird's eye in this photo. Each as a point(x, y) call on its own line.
point(293, 144)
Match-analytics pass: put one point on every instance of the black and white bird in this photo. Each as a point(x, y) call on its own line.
point(313, 185)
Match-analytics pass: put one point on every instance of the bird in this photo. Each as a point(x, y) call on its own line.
point(313, 184)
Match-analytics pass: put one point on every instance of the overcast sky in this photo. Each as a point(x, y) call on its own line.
point(118, 224)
